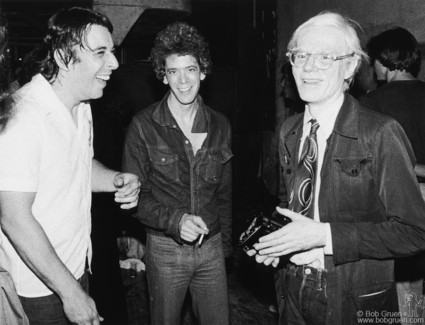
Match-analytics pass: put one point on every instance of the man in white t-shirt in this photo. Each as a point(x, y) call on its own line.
point(47, 170)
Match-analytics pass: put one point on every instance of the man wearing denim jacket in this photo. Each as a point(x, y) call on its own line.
point(366, 203)
point(180, 149)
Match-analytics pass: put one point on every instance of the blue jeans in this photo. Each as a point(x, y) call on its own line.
point(304, 298)
point(172, 269)
point(48, 310)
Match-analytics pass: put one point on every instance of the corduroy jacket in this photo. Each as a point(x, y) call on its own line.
point(370, 197)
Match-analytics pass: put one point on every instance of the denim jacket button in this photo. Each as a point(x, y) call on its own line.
point(355, 171)
point(307, 271)
point(288, 171)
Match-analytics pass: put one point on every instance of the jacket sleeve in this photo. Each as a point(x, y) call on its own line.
point(151, 212)
point(403, 231)
point(224, 200)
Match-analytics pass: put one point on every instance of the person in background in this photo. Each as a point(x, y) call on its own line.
point(10, 305)
point(347, 184)
point(181, 149)
point(47, 170)
point(396, 57)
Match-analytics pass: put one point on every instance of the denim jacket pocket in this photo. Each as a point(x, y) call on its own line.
point(216, 159)
point(376, 297)
point(352, 167)
point(164, 164)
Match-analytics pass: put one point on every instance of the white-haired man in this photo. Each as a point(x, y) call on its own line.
point(349, 188)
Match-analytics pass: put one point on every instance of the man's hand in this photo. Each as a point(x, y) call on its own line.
point(80, 309)
point(302, 234)
point(128, 188)
point(191, 227)
point(306, 258)
point(266, 260)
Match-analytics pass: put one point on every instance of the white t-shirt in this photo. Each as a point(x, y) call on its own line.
point(43, 150)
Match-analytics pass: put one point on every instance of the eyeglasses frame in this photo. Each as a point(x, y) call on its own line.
point(332, 56)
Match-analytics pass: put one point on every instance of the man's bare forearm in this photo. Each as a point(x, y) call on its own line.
point(31, 243)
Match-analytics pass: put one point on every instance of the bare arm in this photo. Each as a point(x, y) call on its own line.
point(31, 243)
point(102, 178)
point(126, 185)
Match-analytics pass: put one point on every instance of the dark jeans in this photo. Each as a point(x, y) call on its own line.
point(304, 298)
point(172, 269)
point(48, 310)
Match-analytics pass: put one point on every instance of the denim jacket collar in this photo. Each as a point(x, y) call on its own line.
point(347, 122)
point(162, 115)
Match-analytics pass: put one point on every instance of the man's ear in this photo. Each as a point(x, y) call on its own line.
point(350, 67)
point(60, 60)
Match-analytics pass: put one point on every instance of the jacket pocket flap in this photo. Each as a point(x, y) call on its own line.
point(162, 158)
point(352, 166)
point(222, 156)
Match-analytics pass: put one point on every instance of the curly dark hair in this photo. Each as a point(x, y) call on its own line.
point(6, 100)
point(67, 28)
point(181, 39)
point(396, 49)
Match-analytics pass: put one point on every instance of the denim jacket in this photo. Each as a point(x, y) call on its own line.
point(174, 180)
point(370, 197)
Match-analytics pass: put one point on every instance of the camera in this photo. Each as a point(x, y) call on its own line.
point(259, 227)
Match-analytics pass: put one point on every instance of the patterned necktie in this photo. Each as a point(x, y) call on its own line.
point(302, 194)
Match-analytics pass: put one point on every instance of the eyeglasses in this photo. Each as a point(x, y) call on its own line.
point(322, 61)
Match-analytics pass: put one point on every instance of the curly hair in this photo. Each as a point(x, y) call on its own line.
point(66, 28)
point(396, 49)
point(6, 100)
point(180, 39)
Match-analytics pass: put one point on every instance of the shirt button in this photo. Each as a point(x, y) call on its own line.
point(162, 159)
point(187, 142)
point(288, 171)
point(307, 271)
point(355, 171)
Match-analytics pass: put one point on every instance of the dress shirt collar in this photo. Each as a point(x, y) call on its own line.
point(325, 117)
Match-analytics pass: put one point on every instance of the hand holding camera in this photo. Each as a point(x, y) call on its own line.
point(259, 227)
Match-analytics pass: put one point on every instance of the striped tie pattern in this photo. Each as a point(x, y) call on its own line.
point(302, 194)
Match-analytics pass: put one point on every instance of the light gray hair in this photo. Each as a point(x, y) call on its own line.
point(343, 23)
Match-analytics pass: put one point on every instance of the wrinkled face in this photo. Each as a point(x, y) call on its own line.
point(318, 86)
point(183, 75)
point(94, 65)
point(380, 71)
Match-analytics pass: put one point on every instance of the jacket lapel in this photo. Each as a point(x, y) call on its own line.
point(347, 122)
point(292, 137)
